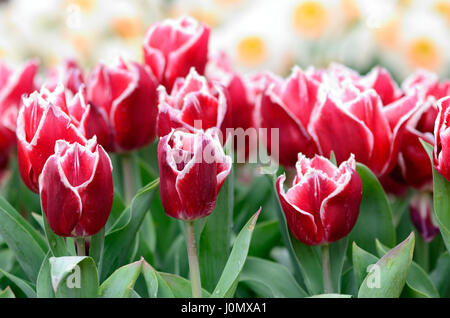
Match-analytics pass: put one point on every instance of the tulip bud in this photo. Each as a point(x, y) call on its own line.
point(172, 47)
point(43, 119)
point(442, 136)
point(69, 74)
point(238, 88)
point(194, 103)
point(322, 205)
point(288, 106)
point(413, 167)
point(14, 84)
point(76, 188)
point(421, 212)
point(124, 95)
point(192, 169)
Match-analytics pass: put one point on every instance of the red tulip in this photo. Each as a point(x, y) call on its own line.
point(288, 106)
point(241, 97)
point(442, 135)
point(421, 213)
point(123, 97)
point(381, 81)
point(322, 205)
point(350, 119)
point(193, 102)
point(172, 47)
point(76, 188)
point(413, 167)
point(238, 88)
point(192, 169)
point(69, 74)
point(43, 119)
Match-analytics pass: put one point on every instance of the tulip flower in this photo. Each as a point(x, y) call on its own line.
point(288, 107)
point(69, 74)
point(193, 104)
point(322, 205)
point(43, 119)
point(14, 84)
point(442, 136)
point(345, 111)
point(238, 88)
point(123, 99)
point(172, 47)
point(76, 188)
point(192, 169)
point(413, 168)
point(421, 213)
point(241, 97)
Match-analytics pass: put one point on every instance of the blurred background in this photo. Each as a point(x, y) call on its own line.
point(401, 35)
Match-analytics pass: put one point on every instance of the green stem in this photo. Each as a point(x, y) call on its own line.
point(194, 268)
point(128, 177)
point(326, 269)
point(81, 246)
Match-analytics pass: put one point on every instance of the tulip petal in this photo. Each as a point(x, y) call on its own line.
point(134, 112)
point(61, 204)
point(96, 196)
point(293, 137)
point(301, 223)
point(335, 129)
point(340, 210)
point(168, 176)
point(197, 184)
point(192, 54)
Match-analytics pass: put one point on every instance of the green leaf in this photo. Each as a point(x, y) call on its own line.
point(214, 245)
point(7, 293)
point(418, 284)
point(311, 266)
point(337, 257)
point(331, 296)
point(151, 279)
point(265, 237)
point(25, 287)
point(74, 276)
point(25, 242)
point(375, 217)
point(156, 285)
point(120, 283)
point(361, 261)
point(120, 239)
point(96, 246)
point(440, 275)
point(389, 274)
point(44, 288)
point(230, 275)
point(56, 243)
point(285, 235)
point(179, 286)
point(270, 279)
point(117, 210)
point(441, 198)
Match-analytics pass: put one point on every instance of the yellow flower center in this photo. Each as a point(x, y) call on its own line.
point(423, 52)
point(405, 3)
point(204, 15)
point(251, 50)
point(85, 5)
point(388, 34)
point(127, 27)
point(310, 18)
point(443, 8)
point(350, 10)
